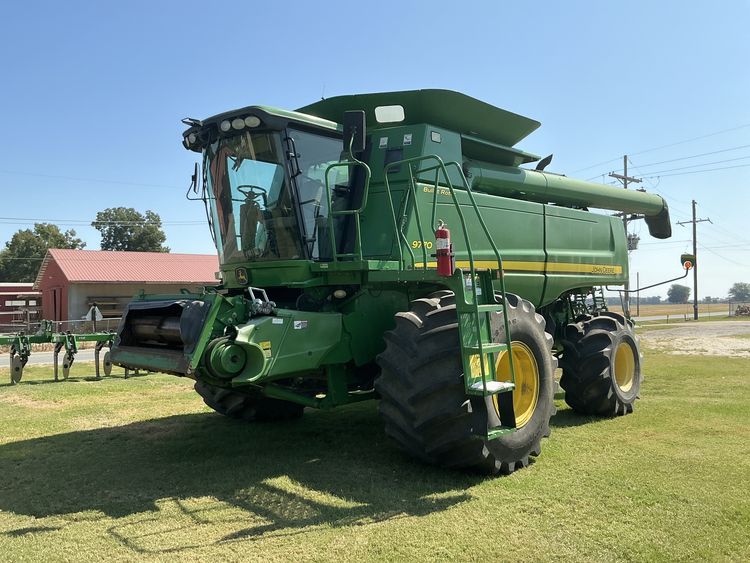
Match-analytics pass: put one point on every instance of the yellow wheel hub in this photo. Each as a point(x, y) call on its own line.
point(526, 393)
point(624, 366)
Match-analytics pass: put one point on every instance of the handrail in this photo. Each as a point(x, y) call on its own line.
point(400, 228)
point(397, 231)
point(416, 214)
point(442, 169)
point(343, 212)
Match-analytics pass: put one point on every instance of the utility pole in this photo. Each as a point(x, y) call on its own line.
point(695, 222)
point(624, 178)
point(638, 294)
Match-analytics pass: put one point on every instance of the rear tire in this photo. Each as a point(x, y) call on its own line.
point(601, 365)
point(247, 406)
point(424, 405)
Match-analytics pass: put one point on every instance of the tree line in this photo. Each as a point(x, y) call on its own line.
point(121, 228)
point(677, 294)
point(739, 292)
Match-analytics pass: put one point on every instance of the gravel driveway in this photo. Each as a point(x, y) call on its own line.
point(716, 338)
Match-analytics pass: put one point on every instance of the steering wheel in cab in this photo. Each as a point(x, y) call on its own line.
point(252, 193)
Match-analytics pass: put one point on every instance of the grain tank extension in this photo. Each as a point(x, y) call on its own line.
point(335, 287)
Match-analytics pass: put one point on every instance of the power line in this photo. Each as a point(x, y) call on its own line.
point(665, 146)
point(664, 194)
point(654, 186)
point(93, 180)
point(699, 171)
point(722, 257)
point(595, 165)
point(691, 139)
point(662, 243)
point(625, 178)
point(727, 233)
point(699, 165)
point(727, 247)
point(86, 222)
point(719, 241)
point(710, 225)
point(731, 247)
point(694, 156)
point(658, 173)
point(726, 237)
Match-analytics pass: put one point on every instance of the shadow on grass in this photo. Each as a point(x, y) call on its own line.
point(568, 418)
point(47, 381)
point(31, 530)
point(285, 474)
point(72, 379)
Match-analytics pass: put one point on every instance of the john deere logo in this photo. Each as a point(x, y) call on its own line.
point(241, 275)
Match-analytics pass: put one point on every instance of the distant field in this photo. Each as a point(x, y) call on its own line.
point(680, 309)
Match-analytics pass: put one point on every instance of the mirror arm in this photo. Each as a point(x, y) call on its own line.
point(682, 277)
point(193, 187)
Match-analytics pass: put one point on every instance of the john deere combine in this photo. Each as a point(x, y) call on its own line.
point(390, 246)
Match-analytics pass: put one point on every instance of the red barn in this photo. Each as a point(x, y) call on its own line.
point(70, 281)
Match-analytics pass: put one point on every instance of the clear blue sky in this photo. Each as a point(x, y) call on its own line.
point(92, 96)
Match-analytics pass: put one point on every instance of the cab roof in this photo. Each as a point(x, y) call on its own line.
point(442, 108)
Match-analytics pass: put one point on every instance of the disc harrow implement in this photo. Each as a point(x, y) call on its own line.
point(20, 350)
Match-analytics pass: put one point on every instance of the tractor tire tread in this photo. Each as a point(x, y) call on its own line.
point(423, 403)
point(588, 379)
point(247, 406)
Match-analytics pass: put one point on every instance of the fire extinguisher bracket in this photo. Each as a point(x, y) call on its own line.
point(444, 250)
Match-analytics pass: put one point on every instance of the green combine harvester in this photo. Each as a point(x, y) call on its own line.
point(390, 246)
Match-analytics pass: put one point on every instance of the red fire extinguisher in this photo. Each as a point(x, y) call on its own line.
point(444, 250)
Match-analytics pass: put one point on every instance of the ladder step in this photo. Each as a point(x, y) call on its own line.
point(490, 308)
point(488, 348)
point(493, 387)
point(498, 431)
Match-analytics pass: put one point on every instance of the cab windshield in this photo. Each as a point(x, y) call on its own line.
point(257, 211)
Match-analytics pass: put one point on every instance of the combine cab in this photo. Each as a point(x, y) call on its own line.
point(390, 246)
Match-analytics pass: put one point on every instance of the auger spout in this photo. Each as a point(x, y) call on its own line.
point(545, 187)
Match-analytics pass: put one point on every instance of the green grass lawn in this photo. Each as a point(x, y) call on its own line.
point(140, 469)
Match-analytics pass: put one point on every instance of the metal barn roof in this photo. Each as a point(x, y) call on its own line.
point(104, 266)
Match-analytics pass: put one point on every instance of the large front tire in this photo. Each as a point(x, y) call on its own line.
point(424, 405)
point(601, 365)
point(246, 406)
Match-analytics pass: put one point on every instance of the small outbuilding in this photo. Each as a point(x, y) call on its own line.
point(20, 306)
point(71, 281)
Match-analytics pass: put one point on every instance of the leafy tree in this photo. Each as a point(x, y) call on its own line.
point(678, 293)
point(23, 253)
point(740, 292)
point(124, 228)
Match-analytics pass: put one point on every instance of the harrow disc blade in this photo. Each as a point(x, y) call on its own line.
point(67, 363)
point(16, 369)
point(107, 364)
